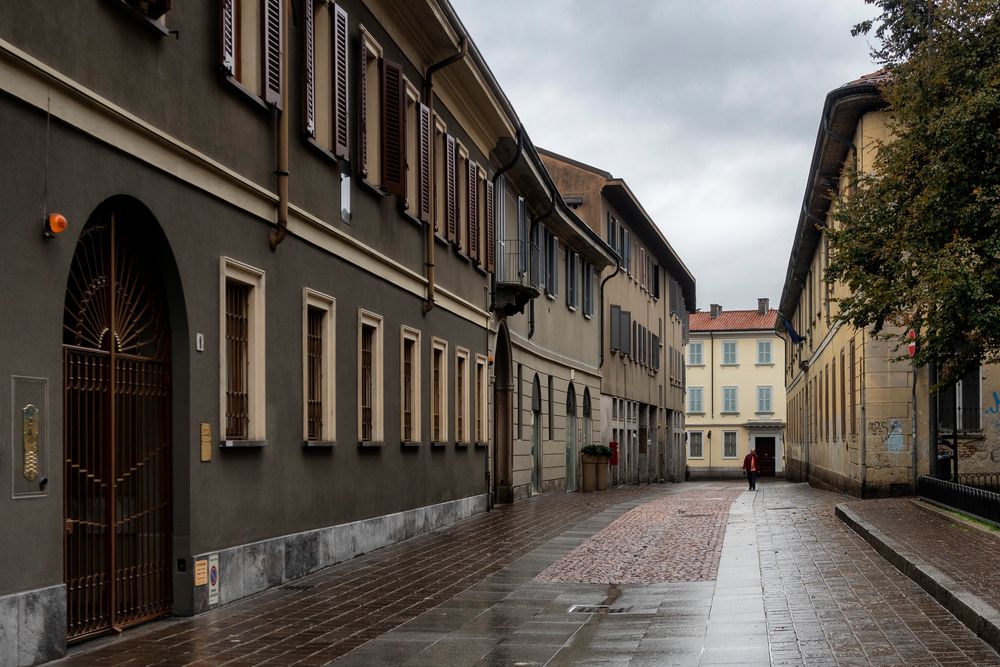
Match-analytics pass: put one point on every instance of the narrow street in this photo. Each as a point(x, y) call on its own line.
point(694, 574)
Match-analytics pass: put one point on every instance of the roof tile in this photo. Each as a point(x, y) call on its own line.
point(734, 320)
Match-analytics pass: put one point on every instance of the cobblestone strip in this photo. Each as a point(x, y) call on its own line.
point(830, 599)
point(677, 538)
point(963, 574)
point(331, 612)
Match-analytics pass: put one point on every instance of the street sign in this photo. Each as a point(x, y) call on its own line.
point(213, 580)
point(911, 347)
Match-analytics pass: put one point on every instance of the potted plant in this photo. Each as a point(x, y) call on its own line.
point(595, 467)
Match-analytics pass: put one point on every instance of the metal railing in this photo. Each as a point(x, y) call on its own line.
point(980, 502)
point(517, 263)
point(988, 481)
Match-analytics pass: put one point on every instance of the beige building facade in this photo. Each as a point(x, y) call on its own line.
point(860, 420)
point(735, 392)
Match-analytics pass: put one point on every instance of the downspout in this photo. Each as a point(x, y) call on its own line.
point(913, 430)
point(496, 179)
point(618, 268)
point(932, 413)
point(864, 437)
point(531, 235)
point(463, 51)
point(280, 231)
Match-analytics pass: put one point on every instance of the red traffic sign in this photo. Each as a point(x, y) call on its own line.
point(911, 347)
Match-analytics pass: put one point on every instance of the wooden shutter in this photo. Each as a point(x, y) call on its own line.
point(452, 195)
point(491, 223)
point(363, 111)
point(425, 164)
point(227, 38)
point(274, 46)
point(615, 314)
point(341, 118)
point(393, 129)
point(472, 240)
point(309, 69)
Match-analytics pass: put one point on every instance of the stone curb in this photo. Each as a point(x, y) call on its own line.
point(976, 614)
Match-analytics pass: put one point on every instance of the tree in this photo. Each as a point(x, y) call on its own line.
point(917, 241)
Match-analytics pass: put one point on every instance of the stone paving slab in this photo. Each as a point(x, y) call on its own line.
point(956, 562)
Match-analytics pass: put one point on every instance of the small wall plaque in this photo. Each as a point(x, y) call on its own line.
point(201, 572)
point(206, 442)
point(29, 436)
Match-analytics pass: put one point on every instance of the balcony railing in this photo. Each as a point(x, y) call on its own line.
point(516, 276)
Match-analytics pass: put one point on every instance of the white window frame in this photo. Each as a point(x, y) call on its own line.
point(235, 270)
point(439, 161)
point(411, 147)
point(440, 345)
point(483, 383)
point(699, 359)
point(407, 333)
point(368, 318)
point(313, 299)
point(736, 444)
point(762, 392)
point(462, 431)
point(735, 358)
point(700, 392)
point(770, 353)
point(701, 443)
point(725, 400)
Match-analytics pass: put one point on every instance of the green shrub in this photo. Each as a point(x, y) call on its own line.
point(596, 450)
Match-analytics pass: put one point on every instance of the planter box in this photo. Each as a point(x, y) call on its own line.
point(595, 473)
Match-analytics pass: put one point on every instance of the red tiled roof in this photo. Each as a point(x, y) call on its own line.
point(734, 320)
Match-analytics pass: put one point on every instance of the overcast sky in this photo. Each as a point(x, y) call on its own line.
point(707, 108)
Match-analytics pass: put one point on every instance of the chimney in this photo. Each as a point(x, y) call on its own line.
point(763, 305)
point(716, 310)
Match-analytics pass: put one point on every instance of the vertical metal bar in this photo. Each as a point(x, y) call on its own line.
point(112, 508)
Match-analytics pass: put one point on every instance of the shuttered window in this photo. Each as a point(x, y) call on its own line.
point(451, 193)
point(393, 129)
point(237, 360)
point(626, 333)
point(252, 45)
point(491, 224)
point(274, 48)
point(472, 212)
point(424, 172)
point(369, 109)
point(324, 103)
point(614, 326)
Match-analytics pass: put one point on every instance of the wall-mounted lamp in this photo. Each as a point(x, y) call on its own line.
point(55, 223)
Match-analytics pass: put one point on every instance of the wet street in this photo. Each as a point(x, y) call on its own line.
point(693, 574)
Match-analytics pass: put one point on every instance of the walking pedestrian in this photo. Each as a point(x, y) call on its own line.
point(752, 466)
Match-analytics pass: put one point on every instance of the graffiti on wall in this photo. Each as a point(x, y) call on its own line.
point(889, 432)
point(994, 414)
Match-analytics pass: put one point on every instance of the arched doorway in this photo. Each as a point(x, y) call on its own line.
point(571, 425)
point(117, 426)
point(536, 435)
point(503, 419)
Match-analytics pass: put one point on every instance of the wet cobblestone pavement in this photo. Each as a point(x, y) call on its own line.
point(794, 586)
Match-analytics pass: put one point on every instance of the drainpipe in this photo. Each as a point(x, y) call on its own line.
point(913, 429)
point(463, 51)
point(864, 422)
point(932, 413)
point(618, 268)
point(280, 231)
point(496, 178)
point(531, 235)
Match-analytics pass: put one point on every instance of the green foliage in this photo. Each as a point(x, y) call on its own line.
point(918, 240)
point(596, 450)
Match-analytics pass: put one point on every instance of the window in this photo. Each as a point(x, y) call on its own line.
point(318, 354)
point(369, 377)
point(729, 353)
point(474, 214)
point(764, 352)
point(481, 398)
point(729, 444)
point(854, 423)
point(552, 416)
point(326, 66)
point(441, 139)
point(695, 403)
point(252, 43)
point(696, 354)
point(241, 371)
point(461, 180)
point(729, 404)
point(764, 399)
point(614, 326)
point(410, 391)
point(439, 391)
point(612, 230)
point(614, 408)
point(843, 398)
point(551, 261)
point(462, 395)
point(411, 146)
point(695, 450)
point(588, 290)
point(572, 282)
point(960, 403)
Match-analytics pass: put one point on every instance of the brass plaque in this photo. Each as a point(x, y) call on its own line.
point(206, 442)
point(29, 435)
point(200, 572)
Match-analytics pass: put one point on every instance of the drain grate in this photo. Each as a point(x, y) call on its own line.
point(598, 609)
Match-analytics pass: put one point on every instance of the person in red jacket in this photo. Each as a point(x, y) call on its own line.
point(752, 466)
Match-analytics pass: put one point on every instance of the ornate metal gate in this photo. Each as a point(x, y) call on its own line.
point(116, 370)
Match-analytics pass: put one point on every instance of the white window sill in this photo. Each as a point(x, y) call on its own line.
point(242, 444)
point(318, 444)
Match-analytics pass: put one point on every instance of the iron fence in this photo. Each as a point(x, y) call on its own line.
point(518, 263)
point(989, 481)
point(980, 502)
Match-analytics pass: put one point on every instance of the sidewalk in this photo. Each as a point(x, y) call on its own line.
point(955, 562)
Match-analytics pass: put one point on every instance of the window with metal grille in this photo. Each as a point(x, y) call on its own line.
point(437, 361)
point(480, 400)
point(460, 385)
point(367, 381)
point(729, 444)
point(237, 360)
point(409, 348)
point(314, 371)
point(695, 450)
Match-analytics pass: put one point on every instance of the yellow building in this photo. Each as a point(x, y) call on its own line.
point(735, 391)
